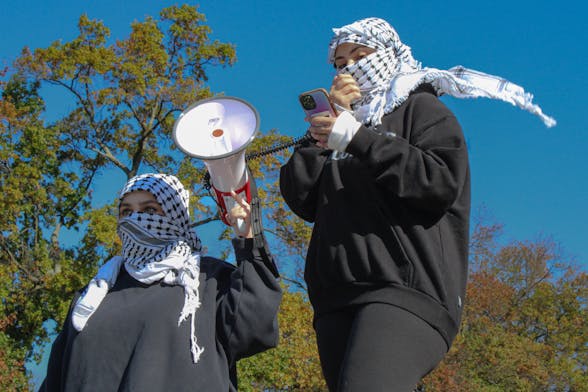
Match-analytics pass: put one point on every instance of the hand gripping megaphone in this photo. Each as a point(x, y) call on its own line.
point(217, 131)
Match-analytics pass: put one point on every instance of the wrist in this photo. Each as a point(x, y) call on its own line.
point(341, 109)
point(343, 131)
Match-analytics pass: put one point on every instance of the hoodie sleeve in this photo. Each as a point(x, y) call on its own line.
point(299, 179)
point(249, 309)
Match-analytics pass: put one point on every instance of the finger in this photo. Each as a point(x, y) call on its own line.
point(345, 91)
point(240, 200)
point(343, 80)
point(236, 213)
point(320, 138)
point(322, 121)
point(349, 88)
point(317, 123)
point(321, 133)
point(236, 196)
point(239, 212)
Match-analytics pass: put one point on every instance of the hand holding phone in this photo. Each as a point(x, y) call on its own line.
point(317, 103)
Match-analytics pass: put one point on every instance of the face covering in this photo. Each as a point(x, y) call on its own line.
point(387, 77)
point(154, 248)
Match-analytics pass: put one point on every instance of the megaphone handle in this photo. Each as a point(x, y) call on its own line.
point(241, 225)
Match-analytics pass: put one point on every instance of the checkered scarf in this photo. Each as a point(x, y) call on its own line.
point(154, 248)
point(387, 76)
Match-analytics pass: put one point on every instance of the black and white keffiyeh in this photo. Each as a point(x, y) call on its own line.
point(154, 248)
point(387, 76)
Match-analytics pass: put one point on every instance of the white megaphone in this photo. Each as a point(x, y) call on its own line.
point(218, 130)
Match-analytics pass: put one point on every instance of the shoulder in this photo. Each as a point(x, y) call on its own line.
point(212, 267)
point(424, 102)
point(423, 110)
point(420, 112)
point(217, 273)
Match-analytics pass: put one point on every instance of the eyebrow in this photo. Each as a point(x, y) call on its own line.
point(350, 52)
point(143, 203)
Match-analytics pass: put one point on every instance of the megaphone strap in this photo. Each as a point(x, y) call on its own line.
point(256, 224)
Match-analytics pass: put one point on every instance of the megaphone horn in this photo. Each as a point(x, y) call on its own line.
point(217, 131)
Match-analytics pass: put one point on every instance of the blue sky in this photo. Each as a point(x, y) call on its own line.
point(528, 177)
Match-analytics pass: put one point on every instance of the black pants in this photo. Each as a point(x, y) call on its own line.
point(376, 347)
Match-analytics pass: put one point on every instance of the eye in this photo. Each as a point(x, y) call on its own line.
point(362, 54)
point(150, 210)
point(125, 212)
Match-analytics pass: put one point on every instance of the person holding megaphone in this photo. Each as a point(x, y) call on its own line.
point(161, 316)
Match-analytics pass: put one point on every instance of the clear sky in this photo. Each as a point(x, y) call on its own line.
point(530, 178)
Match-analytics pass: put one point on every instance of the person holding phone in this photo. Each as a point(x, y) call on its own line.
point(161, 316)
point(386, 184)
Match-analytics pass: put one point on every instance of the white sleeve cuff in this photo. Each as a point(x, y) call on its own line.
point(343, 131)
point(341, 109)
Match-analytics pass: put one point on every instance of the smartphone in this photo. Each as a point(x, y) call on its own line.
point(317, 102)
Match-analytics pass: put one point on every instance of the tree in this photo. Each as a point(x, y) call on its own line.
point(292, 366)
point(40, 195)
point(11, 361)
point(126, 95)
point(524, 320)
point(524, 323)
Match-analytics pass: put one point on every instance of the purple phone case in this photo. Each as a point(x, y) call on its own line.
point(322, 104)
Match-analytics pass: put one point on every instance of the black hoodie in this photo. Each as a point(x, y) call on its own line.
point(134, 343)
point(391, 219)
